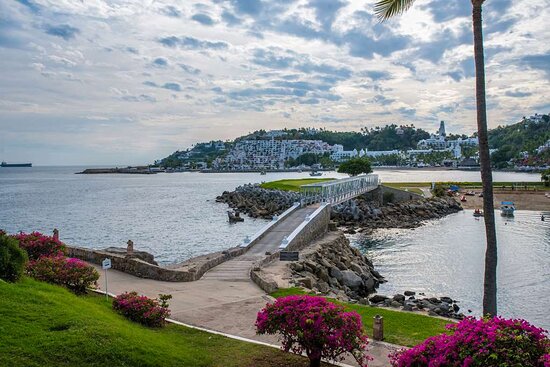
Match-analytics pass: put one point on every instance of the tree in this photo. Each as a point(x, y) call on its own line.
point(315, 326)
point(12, 258)
point(386, 9)
point(355, 166)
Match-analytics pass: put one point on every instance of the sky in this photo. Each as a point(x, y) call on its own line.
point(130, 81)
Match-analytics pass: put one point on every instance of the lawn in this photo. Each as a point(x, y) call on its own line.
point(402, 328)
point(45, 325)
point(292, 184)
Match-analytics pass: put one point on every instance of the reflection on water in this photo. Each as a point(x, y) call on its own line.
point(446, 258)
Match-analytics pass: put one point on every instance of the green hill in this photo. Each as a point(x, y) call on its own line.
point(524, 136)
point(44, 325)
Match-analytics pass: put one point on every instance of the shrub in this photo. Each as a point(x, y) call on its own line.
point(37, 245)
point(72, 273)
point(12, 258)
point(355, 166)
point(315, 326)
point(487, 342)
point(146, 311)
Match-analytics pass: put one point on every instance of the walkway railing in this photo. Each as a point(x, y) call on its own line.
point(338, 191)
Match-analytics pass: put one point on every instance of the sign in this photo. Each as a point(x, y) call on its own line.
point(289, 255)
point(106, 264)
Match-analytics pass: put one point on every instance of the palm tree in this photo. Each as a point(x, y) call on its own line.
point(385, 9)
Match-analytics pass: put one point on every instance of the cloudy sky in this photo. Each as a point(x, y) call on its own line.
point(129, 81)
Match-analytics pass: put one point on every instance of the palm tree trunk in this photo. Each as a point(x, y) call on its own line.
point(316, 362)
point(490, 281)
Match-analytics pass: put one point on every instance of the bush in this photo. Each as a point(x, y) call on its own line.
point(487, 342)
point(12, 258)
point(72, 273)
point(315, 326)
point(37, 245)
point(439, 191)
point(146, 311)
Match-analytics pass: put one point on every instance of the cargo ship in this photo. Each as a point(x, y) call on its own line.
point(4, 164)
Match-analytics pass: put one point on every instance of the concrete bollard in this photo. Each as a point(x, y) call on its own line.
point(55, 234)
point(378, 328)
point(130, 248)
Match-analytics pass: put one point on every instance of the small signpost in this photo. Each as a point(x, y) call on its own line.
point(289, 255)
point(106, 264)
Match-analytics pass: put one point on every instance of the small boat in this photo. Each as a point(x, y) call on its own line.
point(234, 217)
point(478, 213)
point(263, 173)
point(463, 198)
point(480, 195)
point(507, 209)
point(315, 174)
point(470, 193)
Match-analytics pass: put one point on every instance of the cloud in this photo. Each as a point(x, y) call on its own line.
point(31, 5)
point(192, 43)
point(537, 61)
point(376, 75)
point(64, 31)
point(139, 98)
point(172, 86)
point(160, 62)
point(326, 11)
point(517, 93)
point(203, 19)
point(171, 11)
point(189, 69)
point(230, 19)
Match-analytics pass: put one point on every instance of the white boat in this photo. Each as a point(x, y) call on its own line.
point(315, 173)
point(507, 209)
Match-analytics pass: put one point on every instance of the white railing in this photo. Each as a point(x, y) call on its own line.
point(338, 191)
point(288, 239)
point(249, 241)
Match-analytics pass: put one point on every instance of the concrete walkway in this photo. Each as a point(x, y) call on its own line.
point(216, 304)
point(238, 269)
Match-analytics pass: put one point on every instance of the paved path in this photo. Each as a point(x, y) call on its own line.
point(238, 268)
point(228, 307)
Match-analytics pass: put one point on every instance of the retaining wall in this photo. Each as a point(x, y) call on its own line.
point(312, 230)
point(377, 195)
point(191, 270)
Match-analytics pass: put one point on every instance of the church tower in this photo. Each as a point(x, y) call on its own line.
point(441, 131)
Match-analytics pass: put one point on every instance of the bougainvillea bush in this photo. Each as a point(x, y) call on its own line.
point(12, 258)
point(315, 326)
point(142, 309)
point(484, 342)
point(37, 245)
point(72, 273)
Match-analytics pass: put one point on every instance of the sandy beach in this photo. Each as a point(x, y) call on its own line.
point(523, 200)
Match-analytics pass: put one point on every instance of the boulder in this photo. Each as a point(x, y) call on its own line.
point(352, 280)
point(377, 298)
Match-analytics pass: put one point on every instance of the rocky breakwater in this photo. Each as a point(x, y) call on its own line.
point(368, 215)
point(442, 306)
point(258, 202)
point(333, 268)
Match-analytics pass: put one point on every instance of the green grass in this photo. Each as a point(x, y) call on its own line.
point(402, 328)
point(292, 184)
point(44, 325)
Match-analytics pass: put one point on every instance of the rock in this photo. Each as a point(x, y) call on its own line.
point(446, 299)
point(350, 279)
point(336, 273)
point(409, 293)
point(323, 287)
point(399, 298)
point(377, 298)
point(395, 304)
point(306, 282)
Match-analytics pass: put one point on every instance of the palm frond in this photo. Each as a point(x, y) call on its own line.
point(386, 9)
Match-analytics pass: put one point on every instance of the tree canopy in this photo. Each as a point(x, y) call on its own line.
point(355, 166)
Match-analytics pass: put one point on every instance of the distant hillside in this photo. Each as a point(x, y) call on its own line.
point(519, 142)
point(388, 137)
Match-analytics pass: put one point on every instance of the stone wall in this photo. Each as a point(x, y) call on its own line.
point(191, 270)
point(267, 284)
point(313, 230)
point(377, 195)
